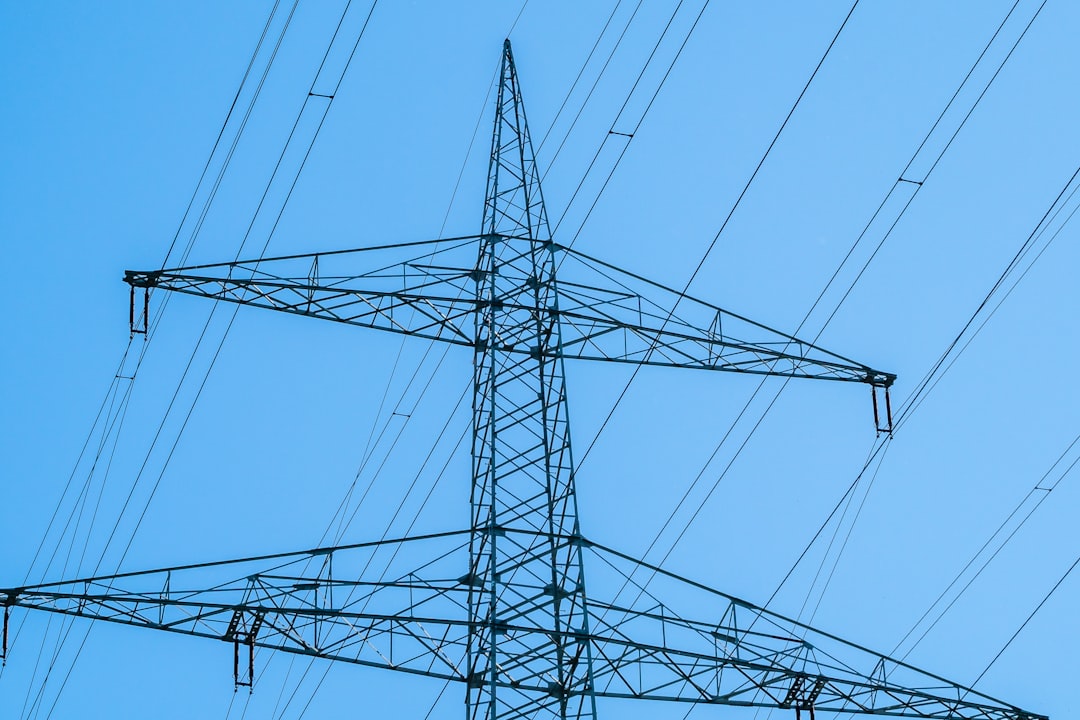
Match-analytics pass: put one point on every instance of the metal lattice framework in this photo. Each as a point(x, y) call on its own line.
point(501, 607)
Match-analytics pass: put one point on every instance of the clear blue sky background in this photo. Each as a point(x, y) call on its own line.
point(111, 109)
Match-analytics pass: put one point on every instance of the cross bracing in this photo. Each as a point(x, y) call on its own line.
point(427, 289)
point(318, 603)
point(503, 608)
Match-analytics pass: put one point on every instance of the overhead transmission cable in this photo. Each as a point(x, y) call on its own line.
point(376, 434)
point(934, 375)
point(883, 443)
point(618, 116)
point(693, 276)
point(862, 235)
point(292, 186)
point(113, 421)
point(328, 97)
point(342, 517)
point(1026, 621)
point(589, 96)
point(1004, 297)
point(577, 79)
point(871, 222)
point(1040, 491)
point(110, 399)
point(383, 575)
point(918, 184)
point(912, 403)
point(902, 181)
point(723, 226)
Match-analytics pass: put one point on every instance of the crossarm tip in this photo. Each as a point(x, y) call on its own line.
point(141, 278)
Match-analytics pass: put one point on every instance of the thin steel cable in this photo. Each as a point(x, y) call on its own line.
point(221, 132)
point(908, 406)
point(859, 239)
point(1044, 493)
point(913, 400)
point(912, 404)
point(117, 376)
point(106, 402)
point(911, 161)
point(761, 384)
point(933, 166)
point(870, 223)
point(270, 235)
point(843, 544)
point(697, 270)
point(637, 128)
point(577, 79)
point(727, 219)
point(142, 353)
point(404, 392)
point(408, 530)
point(993, 312)
point(920, 392)
point(341, 510)
point(882, 443)
point(1026, 621)
point(626, 101)
point(585, 102)
point(372, 441)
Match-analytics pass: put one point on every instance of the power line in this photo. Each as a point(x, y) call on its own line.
point(914, 399)
point(1039, 491)
point(111, 427)
point(1026, 621)
point(920, 391)
point(725, 222)
point(312, 93)
point(643, 587)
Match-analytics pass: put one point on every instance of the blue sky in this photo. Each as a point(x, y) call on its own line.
point(111, 111)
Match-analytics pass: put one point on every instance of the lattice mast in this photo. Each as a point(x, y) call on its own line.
point(515, 629)
point(523, 467)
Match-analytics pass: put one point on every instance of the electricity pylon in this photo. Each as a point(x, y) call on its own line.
point(502, 608)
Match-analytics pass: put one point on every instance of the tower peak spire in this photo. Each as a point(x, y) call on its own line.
point(514, 203)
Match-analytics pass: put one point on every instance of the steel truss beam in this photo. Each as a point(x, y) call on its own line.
point(318, 603)
point(604, 313)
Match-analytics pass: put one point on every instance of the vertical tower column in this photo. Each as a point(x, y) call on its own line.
point(526, 569)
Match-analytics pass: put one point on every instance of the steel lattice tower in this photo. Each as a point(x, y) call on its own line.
point(501, 607)
point(523, 467)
